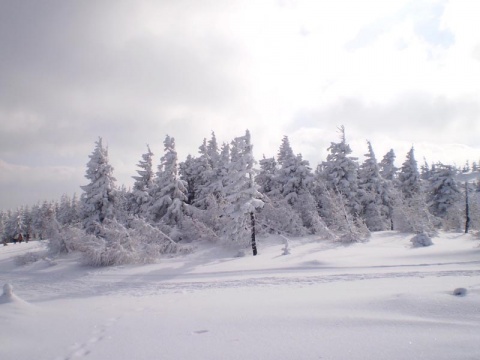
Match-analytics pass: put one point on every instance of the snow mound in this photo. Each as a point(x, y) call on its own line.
point(421, 240)
point(9, 297)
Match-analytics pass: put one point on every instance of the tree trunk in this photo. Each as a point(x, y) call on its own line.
point(254, 243)
point(467, 210)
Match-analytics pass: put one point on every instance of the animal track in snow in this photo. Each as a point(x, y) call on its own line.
point(80, 350)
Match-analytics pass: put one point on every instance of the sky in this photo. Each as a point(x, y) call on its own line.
point(397, 73)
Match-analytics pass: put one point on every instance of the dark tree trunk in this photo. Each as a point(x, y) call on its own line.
point(254, 243)
point(467, 210)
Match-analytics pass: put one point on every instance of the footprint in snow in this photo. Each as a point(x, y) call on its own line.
point(79, 350)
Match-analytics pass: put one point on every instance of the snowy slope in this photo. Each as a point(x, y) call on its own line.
point(376, 300)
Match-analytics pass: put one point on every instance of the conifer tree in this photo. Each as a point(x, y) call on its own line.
point(409, 180)
point(444, 197)
point(64, 210)
point(169, 193)
point(267, 174)
point(294, 174)
point(140, 196)
point(11, 224)
point(387, 168)
point(242, 196)
point(340, 173)
point(411, 212)
point(371, 189)
point(98, 198)
point(213, 151)
point(204, 175)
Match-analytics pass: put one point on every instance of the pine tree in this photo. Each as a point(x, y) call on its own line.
point(204, 176)
point(387, 170)
point(98, 198)
point(409, 180)
point(10, 225)
point(122, 204)
point(64, 210)
point(340, 174)
point(294, 174)
point(3, 218)
point(371, 189)
point(411, 213)
point(140, 196)
point(267, 174)
point(188, 173)
point(213, 151)
point(242, 196)
point(444, 198)
point(169, 193)
point(425, 171)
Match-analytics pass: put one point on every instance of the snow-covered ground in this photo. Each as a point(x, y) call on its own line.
point(377, 300)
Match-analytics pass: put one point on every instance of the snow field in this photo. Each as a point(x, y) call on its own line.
point(375, 300)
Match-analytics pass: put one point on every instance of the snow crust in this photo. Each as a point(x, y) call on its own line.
point(381, 299)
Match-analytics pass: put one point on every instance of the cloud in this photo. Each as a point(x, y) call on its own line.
point(435, 125)
point(132, 72)
point(426, 17)
point(28, 185)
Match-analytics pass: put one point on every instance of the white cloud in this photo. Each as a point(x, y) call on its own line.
point(396, 72)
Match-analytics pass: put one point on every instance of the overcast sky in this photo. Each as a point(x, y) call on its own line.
point(398, 73)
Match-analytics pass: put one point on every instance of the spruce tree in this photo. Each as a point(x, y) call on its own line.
point(140, 196)
point(169, 192)
point(340, 172)
point(444, 197)
point(371, 189)
point(411, 212)
point(242, 196)
point(98, 198)
point(409, 181)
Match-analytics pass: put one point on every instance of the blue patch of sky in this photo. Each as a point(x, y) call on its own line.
point(426, 17)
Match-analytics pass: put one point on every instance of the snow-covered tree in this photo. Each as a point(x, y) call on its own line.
point(140, 195)
point(204, 176)
point(411, 212)
point(213, 151)
point(387, 166)
point(444, 197)
point(122, 204)
point(43, 217)
point(98, 198)
point(68, 211)
point(294, 174)
point(267, 174)
point(371, 191)
point(474, 166)
point(3, 218)
point(409, 181)
point(425, 171)
point(340, 173)
point(242, 196)
point(169, 192)
point(13, 224)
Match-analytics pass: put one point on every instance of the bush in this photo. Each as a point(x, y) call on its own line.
point(421, 240)
point(27, 258)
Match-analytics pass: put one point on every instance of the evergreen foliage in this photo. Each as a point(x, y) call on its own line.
point(241, 193)
point(340, 174)
point(219, 195)
point(140, 196)
point(169, 192)
point(98, 198)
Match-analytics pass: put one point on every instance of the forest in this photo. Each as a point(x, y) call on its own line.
point(222, 195)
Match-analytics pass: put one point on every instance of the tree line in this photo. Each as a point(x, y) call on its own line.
point(220, 195)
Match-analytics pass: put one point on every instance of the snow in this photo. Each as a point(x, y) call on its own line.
point(380, 299)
